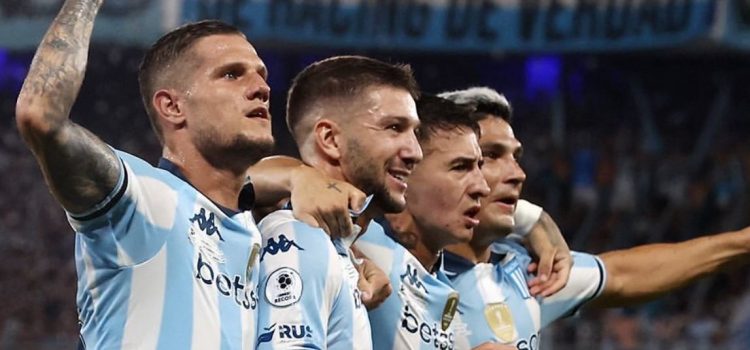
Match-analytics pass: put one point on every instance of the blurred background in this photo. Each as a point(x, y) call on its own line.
point(633, 114)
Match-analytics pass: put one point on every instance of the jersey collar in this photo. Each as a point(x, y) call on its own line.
point(247, 195)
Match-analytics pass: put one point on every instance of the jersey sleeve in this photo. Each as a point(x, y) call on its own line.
point(129, 226)
point(301, 288)
point(587, 280)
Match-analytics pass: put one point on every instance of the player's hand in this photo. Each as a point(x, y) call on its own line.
point(494, 346)
point(552, 271)
point(554, 261)
point(373, 283)
point(323, 202)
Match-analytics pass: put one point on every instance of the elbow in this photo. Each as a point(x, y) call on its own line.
point(31, 120)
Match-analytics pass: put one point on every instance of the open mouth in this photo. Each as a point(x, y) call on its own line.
point(399, 175)
point(471, 217)
point(511, 201)
point(260, 112)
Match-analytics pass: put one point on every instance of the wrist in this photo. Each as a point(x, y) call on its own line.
point(525, 216)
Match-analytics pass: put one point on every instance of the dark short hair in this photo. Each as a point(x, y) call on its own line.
point(343, 77)
point(166, 51)
point(436, 113)
point(484, 100)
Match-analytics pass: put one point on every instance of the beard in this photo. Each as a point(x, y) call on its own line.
point(236, 152)
point(366, 176)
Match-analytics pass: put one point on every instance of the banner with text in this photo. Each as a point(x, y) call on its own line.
point(466, 25)
point(137, 22)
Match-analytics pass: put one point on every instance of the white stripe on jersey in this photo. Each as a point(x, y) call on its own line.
point(146, 299)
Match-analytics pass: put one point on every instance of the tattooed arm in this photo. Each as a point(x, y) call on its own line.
point(80, 169)
point(319, 200)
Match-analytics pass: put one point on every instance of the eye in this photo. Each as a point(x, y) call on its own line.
point(491, 155)
point(230, 75)
point(395, 127)
point(461, 167)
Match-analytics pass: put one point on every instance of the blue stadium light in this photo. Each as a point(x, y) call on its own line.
point(542, 76)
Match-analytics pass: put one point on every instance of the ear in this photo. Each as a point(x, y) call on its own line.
point(167, 104)
point(328, 138)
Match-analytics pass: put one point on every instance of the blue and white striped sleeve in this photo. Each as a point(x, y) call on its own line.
point(119, 231)
point(586, 282)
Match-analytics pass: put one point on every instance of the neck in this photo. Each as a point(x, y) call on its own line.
point(412, 237)
point(477, 250)
point(427, 256)
point(220, 184)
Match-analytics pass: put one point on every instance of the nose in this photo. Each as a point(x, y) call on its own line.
point(411, 152)
point(258, 90)
point(517, 176)
point(479, 187)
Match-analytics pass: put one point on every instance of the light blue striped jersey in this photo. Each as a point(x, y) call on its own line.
point(418, 314)
point(308, 294)
point(160, 266)
point(495, 302)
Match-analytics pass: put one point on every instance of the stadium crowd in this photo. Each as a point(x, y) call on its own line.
point(618, 152)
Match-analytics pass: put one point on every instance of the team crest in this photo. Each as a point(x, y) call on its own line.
point(500, 320)
point(449, 311)
point(251, 261)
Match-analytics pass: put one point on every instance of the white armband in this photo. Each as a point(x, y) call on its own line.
point(525, 217)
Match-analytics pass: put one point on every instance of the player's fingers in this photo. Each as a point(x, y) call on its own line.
point(532, 267)
point(376, 284)
point(546, 262)
point(336, 220)
point(344, 224)
point(308, 219)
point(556, 283)
point(356, 199)
point(323, 223)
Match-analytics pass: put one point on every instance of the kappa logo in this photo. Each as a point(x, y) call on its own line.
point(206, 224)
point(411, 277)
point(283, 246)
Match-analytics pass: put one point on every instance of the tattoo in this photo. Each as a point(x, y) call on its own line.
point(333, 186)
point(58, 67)
point(80, 169)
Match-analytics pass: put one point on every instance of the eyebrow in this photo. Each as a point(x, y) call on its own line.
point(501, 148)
point(261, 69)
point(464, 160)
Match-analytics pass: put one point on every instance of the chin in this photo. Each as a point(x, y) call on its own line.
point(393, 204)
point(464, 236)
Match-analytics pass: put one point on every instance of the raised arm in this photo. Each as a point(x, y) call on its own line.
point(642, 273)
point(79, 168)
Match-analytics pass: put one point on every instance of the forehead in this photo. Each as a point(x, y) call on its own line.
point(388, 101)
point(445, 145)
point(497, 130)
point(220, 48)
